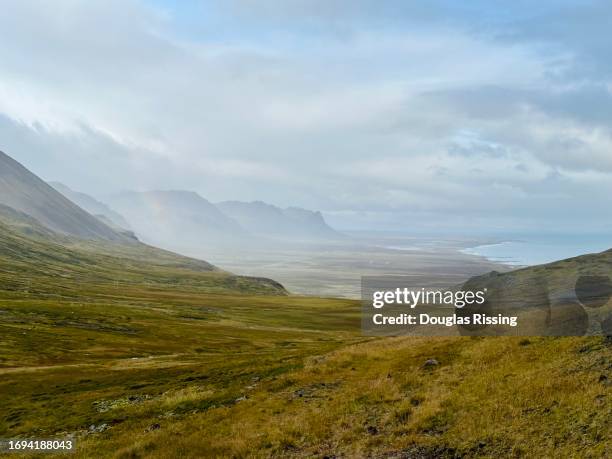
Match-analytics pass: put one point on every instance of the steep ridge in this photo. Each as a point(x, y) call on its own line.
point(23, 191)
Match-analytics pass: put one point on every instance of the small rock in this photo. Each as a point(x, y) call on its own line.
point(241, 399)
point(431, 363)
point(153, 427)
point(98, 429)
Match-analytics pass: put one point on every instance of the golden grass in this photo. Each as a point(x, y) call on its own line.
point(493, 397)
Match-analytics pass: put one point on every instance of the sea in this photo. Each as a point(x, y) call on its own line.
point(532, 249)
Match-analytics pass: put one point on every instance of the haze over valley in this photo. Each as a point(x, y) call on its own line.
point(294, 246)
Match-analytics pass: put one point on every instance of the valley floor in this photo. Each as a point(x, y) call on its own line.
point(334, 269)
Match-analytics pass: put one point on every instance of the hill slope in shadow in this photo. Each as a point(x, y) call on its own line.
point(23, 191)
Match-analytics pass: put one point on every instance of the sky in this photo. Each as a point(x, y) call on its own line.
point(391, 115)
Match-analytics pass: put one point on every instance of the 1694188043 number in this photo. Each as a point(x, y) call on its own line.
point(40, 445)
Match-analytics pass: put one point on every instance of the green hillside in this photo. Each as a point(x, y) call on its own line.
point(35, 261)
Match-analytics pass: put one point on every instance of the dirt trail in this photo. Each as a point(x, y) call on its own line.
point(117, 364)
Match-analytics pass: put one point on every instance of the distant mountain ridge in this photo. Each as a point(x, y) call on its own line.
point(175, 218)
point(178, 219)
point(172, 219)
point(24, 192)
point(265, 219)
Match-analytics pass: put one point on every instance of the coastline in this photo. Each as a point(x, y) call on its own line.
point(537, 249)
point(481, 251)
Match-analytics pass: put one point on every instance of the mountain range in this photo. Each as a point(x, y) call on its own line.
point(40, 219)
point(45, 235)
point(184, 219)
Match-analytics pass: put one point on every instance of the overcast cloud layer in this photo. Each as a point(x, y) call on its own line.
point(400, 115)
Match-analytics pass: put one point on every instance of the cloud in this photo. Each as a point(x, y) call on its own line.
point(350, 107)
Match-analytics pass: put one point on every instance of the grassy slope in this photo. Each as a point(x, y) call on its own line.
point(164, 354)
point(488, 398)
point(521, 289)
point(34, 261)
